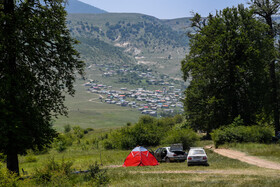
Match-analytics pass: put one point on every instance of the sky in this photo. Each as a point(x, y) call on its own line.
point(164, 9)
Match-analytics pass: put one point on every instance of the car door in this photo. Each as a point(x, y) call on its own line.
point(158, 154)
point(163, 153)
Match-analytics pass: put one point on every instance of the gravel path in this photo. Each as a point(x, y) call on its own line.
point(246, 158)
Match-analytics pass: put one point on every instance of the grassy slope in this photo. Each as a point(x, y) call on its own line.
point(164, 45)
point(94, 114)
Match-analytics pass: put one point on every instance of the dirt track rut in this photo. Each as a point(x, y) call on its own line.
point(246, 158)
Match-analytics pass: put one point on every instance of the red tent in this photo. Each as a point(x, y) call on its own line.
point(140, 156)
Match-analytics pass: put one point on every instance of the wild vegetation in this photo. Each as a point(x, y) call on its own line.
point(86, 152)
point(238, 133)
point(151, 132)
point(37, 67)
point(227, 65)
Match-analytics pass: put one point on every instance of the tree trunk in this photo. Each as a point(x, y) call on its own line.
point(274, 96)
point(12, 161)
point(10, 45)
point(273, 79)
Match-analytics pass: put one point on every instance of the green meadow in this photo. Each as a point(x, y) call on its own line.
point(85, 152)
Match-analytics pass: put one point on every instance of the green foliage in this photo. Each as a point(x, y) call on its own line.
point(38, 65)
point(227, 69)
point(52, 171)
point(150, 131)
point(30, 158)
point(62, 142)
point(96, 175)
point(242, 134)
point(185, 136)
point(67, 128)
point(3, 157)
point(78, 132)
point(7, 179)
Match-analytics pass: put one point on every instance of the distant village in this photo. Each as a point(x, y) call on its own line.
point(136, 75)
point(158, 103)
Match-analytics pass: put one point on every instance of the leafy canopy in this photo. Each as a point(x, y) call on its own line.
point(38, 64)
point(226, 67)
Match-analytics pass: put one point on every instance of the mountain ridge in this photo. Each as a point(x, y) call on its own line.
point(78, 7)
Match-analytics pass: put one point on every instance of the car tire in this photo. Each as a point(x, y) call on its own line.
point(167, 160)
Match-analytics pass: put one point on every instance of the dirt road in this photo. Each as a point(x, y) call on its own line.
point(246, 158)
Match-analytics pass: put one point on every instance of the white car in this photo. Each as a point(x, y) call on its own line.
point(174, 153)
point(197, 156)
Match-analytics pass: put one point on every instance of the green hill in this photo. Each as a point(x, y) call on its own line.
point(123, 51)
point(131, 38)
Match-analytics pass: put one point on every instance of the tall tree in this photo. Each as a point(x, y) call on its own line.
point(37, 67)
point(226, 67)
point(266, 9)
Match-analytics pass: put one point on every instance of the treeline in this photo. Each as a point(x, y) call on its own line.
point(150, 131)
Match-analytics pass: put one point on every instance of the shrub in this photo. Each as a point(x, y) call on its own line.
point(52, 171)
point(96, 175)
point(87, 130)
point(149, 131)
point(3, 157)
point(62, 142)
point(185, 136)
point(78, 131)
point(7, 178)
point(30, 158)
point(67, 128)
point(107, 144)
point(240, 134)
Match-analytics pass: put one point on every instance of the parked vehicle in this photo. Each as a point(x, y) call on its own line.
point(197, 156)
point(174, 153)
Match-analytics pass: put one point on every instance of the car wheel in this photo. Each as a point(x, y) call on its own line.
point(167, 160)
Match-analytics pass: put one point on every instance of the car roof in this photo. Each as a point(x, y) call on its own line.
point(200, 148)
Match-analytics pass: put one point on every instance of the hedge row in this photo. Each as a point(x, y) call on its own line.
point(240, 134)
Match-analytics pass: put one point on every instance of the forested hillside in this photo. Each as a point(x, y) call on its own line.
point(131, 39)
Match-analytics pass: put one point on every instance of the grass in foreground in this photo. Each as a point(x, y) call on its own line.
point(221, 172)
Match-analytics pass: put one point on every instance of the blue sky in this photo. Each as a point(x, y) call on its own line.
point(165, 9)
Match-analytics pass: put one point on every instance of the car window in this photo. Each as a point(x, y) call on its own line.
point(163, 150)
point(197, 152)
point(158, 150)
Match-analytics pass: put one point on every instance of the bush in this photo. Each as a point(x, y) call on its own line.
point(185, 136)
point(30, 158)
point(62, 142)
point(149, 131)
point(78, 131)
point(96, 175)
point(240, 134)
point(6, 177)
point(67, 128)
point(53, 171)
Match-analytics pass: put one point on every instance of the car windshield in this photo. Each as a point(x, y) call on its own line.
point(197, 152)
